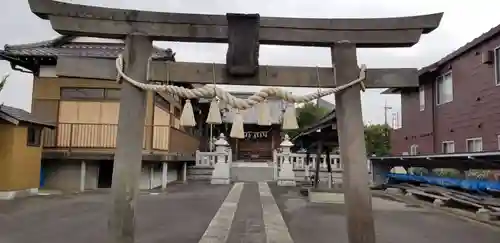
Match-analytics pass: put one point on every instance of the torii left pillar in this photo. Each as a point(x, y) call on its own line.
point(128, 155)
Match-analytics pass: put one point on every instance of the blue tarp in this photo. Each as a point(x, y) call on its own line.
point(469, 185)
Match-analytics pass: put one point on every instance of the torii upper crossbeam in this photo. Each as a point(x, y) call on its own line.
point(82, 20)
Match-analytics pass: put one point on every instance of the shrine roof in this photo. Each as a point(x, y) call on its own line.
point(250, 116)
point(74, 46)
point(329, 121)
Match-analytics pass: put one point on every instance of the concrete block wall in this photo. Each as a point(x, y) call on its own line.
point(203, 174)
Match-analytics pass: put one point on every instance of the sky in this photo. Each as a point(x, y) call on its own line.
point(462, 22)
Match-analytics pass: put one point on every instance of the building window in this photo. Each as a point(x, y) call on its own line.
point(497, 65)
point(90, 94)
point(498, 141)
point(444, 88)
point(474, 144)
point(448, 147)
point(162, 103)
point(34, 136)
point(413, 149)
point(177, 112)
point(421, 97)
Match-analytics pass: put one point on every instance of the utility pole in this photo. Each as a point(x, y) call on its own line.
point(386, 109)
point(386, 129)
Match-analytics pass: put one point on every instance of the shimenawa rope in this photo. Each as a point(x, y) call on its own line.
point(212, 91)
point(208, 90)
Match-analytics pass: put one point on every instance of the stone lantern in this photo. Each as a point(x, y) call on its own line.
point(286, 176)
point(222, 167)
point(221, 146)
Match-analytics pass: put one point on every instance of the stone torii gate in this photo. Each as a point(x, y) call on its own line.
point(243, 33)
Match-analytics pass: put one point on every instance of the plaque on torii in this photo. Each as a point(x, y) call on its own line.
point(140, 28)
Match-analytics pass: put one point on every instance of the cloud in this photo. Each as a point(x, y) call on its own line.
point(462, 22)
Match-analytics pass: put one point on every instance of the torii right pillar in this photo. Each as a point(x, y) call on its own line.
point(360, 225)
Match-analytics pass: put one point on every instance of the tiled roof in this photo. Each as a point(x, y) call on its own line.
point(326, 121)
point(250, 116)
point(63, 46)
point(22, 116)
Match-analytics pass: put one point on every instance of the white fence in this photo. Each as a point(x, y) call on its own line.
point(298, 160)
point(209, 159)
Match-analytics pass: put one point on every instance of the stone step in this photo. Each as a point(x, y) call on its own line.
point(252, 173)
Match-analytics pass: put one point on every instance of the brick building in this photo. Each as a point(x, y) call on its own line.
point(457, 106)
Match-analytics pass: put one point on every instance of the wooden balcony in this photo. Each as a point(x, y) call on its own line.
point(81, 136)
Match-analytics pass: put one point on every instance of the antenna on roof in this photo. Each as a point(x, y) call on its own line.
point(2, 83)
point(4, 79)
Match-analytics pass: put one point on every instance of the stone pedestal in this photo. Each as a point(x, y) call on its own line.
point(286, 175)
point(222, 168)
point(483, 214)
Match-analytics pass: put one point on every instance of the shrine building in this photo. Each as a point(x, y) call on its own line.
point(259, 141)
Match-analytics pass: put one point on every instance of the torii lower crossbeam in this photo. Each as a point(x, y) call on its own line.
point(203, 73)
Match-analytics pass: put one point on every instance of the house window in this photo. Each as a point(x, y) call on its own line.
point(90, 94)
point(162, 103)
point(444, 88)
point(421, 97)
point(497, 65)
point(448, 147)
point(34, 136)
point(474, 144)
point(413, 149)
point(177, 112)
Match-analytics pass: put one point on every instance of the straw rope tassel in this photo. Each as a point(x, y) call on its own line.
point(214, 116)
point(290, 118)
point(187, 117)
point(264, 114)
point(237, 126)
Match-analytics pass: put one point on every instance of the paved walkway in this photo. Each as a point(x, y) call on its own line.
point(249, 214)
point(239, 213)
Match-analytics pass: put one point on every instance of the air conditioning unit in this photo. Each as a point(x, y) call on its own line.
point(487, 57)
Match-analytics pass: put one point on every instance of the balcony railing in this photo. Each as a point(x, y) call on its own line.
point(103, 136)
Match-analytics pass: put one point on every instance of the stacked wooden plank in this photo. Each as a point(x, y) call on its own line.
point(453, 198)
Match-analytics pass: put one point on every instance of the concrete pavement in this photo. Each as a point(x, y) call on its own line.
point(243, 212)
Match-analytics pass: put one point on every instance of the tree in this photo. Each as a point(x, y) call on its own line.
point(377, 139)
point(308, 114)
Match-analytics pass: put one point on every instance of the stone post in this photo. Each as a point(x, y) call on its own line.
point(305, 163)
point(164, 175)
point(221, 173)
point(83, 175)
point(286, 176)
